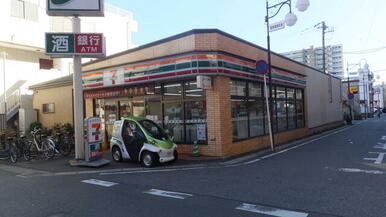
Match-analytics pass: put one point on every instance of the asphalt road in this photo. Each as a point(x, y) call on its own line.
point(340, 173)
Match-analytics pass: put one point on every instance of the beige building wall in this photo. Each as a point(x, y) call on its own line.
point(61, 97)
point(324, 99)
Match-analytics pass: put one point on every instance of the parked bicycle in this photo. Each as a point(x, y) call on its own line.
point(7, 150)
point(22, 147)
point(41, 145)
point(62, 140)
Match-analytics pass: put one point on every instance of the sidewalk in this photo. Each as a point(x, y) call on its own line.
point(61, 164)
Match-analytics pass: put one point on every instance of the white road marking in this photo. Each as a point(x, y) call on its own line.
point(171, 194)
point(381, 146)
point(99, 182)
point(377, 160)
point(354, 170)
point(252, 161)
point(154, 170)
point(270, 211)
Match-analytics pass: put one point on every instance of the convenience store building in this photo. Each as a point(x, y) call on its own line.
point(159, 81)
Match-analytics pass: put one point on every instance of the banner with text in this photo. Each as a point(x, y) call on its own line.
point(75, 44)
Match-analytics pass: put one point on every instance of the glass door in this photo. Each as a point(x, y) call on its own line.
point(125, 108)
point(111, 115)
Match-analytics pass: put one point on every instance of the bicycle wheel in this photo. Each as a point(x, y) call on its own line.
point(48, 149)
point(12, 153)
point(27, 150)
point(64, 146)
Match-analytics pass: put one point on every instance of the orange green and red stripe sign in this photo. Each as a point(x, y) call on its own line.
point(193, 64)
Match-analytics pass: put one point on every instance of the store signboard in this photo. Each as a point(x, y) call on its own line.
point(354, 89)
point(94, 8)
point(204, 82)
point(113, 77)
point(93, 138)
point(118, 92)
point(75, 44)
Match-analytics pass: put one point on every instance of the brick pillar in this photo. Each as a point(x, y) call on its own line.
point(219, 117)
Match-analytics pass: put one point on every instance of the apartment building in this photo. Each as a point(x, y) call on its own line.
point(314, 57)
point(22, 48)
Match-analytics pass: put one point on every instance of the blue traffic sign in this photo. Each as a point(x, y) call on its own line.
point(350, 96)
point(261, 67)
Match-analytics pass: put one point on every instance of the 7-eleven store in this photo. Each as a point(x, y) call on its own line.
point(158, 81)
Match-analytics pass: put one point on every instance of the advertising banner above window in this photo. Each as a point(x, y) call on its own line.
point(91, 8)
point(75, 44)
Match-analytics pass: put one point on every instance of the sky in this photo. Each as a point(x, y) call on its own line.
point(359, 25)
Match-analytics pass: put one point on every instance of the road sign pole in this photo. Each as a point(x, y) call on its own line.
point(268, 113)
point(78, 98)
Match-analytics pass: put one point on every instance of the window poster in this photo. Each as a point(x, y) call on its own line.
point(201, 132)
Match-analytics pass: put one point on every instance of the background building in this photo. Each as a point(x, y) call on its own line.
point(22, 46)
point(364, 99)
point(314, 57)
point(379, 92)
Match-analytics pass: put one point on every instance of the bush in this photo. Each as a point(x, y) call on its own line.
point(34, 124)
point(68, 127)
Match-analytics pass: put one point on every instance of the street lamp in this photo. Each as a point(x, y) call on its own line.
point(290, 20)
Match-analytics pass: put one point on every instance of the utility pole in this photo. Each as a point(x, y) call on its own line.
point(325, 29)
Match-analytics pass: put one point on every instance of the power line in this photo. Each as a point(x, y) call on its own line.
point(372, 50)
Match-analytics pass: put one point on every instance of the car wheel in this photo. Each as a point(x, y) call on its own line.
point(148, 159)
point(175, 154)
point(116, 154)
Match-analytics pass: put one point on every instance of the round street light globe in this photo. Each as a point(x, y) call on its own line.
point(290, 19)
point(302, 5)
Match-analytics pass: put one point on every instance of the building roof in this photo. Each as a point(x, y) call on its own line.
point(58, 82)
point(193, 32)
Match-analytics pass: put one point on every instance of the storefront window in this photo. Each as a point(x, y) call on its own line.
point(238, 88)
point(274, 116)
point(299, 114)
point(124, 109)
point(111, 110)
point(256, 117)
point(174, 120)
point(153, 109)
point(299, 94)
point(195, 121)
point(191, 90)
point(290, 93)
point(255, 90)
point(172, 91)
point(291, 114)
point(239, 119)
point(280, 93)
point(281, 115)
point(138, 107)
